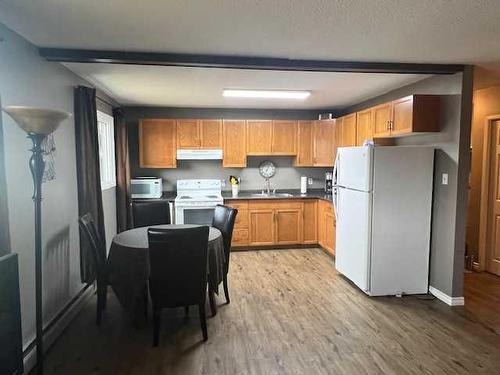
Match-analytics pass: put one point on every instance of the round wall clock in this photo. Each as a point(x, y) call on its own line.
point(267, 169)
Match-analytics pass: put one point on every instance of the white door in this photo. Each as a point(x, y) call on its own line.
point(353, 236)
point(354, 168)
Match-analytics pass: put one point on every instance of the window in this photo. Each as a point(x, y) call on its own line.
point(106, 134)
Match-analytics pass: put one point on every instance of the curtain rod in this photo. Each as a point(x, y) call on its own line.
point(106, 102)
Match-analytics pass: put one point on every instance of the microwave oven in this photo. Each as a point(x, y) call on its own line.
point(146, 187)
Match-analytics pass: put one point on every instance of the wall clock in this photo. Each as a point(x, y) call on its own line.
point(267, 169)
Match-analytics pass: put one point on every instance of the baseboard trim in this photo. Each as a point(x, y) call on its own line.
point(57, 326)
point(451, 301)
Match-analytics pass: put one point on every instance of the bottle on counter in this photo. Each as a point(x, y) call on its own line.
point(303, 185)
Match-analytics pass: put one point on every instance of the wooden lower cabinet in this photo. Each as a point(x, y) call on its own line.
point(326, 226)
point(261, 224)
point(241, 230)
point(283, 222)
point(310, 221)
point(288, 226)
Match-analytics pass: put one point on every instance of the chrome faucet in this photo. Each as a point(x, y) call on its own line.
point(267, 187)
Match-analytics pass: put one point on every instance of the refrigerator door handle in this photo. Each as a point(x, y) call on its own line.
point(335, 169)
point(335, 203)
point(335, 186)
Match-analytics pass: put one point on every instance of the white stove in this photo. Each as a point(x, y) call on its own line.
point(196, 201)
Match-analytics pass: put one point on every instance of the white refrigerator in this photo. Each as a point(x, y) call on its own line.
point(383, 203)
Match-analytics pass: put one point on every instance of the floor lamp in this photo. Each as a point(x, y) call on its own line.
point(38, 123)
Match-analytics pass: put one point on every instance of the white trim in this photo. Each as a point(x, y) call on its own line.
point(451, 301)
point(58, 327)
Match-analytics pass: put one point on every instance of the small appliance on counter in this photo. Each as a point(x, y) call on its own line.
point(328, 182)
point(146, 187)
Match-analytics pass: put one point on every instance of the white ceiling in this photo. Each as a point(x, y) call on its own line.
point(425, 31)
point(458, 31)
point(199, 87)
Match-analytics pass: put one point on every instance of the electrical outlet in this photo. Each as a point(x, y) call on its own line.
point(444, 179)
point(310, 181)
point(223, 183)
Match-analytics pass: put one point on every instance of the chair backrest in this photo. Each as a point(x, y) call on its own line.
point(150, 213)
point(178, 266)
point(96, 244)
point(224, 218)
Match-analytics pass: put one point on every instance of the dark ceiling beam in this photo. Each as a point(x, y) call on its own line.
point(240, 62)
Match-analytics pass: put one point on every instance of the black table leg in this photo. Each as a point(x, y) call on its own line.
point(211, 299)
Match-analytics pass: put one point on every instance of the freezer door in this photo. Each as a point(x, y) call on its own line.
point(353, 236)
point(354, 167)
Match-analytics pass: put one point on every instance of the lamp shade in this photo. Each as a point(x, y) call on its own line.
point(36, 120)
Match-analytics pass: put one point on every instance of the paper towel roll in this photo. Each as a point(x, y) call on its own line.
point(303, 184)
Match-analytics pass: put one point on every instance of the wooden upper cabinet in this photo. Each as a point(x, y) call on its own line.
point(188, 134)
point(304, 144)
point(382, 115)
point(211, 134)
point(288, 226)
point(402, 114)
point(415, 114)
point(259, 137)
point(364, 127)
point(234, 143)
point(349, 130)
point(323, 135)
point(284, 137)
point(157, 144)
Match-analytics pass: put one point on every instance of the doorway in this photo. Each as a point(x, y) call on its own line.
point(489, 252)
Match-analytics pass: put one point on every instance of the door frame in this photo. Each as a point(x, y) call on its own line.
point(480, 265)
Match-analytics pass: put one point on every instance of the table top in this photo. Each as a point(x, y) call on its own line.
point(138, 237)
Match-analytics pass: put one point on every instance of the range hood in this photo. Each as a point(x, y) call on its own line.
point(196, 154)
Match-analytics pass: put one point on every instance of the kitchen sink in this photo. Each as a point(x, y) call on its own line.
point(271, 195)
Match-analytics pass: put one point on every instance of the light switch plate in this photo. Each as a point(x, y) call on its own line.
point(444, 179)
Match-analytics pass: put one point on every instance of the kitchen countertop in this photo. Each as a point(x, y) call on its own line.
point(247, 194)
point(311, 194)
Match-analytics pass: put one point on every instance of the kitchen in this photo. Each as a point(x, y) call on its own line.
point(296, 210)
point(336, 216)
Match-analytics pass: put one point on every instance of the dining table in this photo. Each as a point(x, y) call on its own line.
point(128, 266)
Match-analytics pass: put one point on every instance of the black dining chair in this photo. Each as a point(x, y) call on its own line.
point(178, 272)
point(148, 213)
point(98, 255)
point(224, 218)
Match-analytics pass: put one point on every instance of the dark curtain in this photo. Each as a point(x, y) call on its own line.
point(88, 173)
point(123, 214)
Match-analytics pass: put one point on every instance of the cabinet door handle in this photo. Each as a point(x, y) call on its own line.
point(388, 125)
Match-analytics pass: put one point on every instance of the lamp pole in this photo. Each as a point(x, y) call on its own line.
point(37, 123)
point(37, 167)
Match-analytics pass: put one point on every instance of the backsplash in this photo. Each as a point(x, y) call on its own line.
point(287, 176)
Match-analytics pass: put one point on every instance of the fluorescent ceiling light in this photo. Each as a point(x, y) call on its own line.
point(266, 94)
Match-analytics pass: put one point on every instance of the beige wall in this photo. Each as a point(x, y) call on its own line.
point(486, 102)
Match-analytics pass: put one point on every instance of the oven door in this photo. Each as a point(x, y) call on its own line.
point(201, 215)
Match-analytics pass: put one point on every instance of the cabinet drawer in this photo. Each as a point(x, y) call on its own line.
point(238, 204)
point(274, 204)
point(240, 237)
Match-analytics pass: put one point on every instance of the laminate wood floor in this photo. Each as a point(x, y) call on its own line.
point(290, 313)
